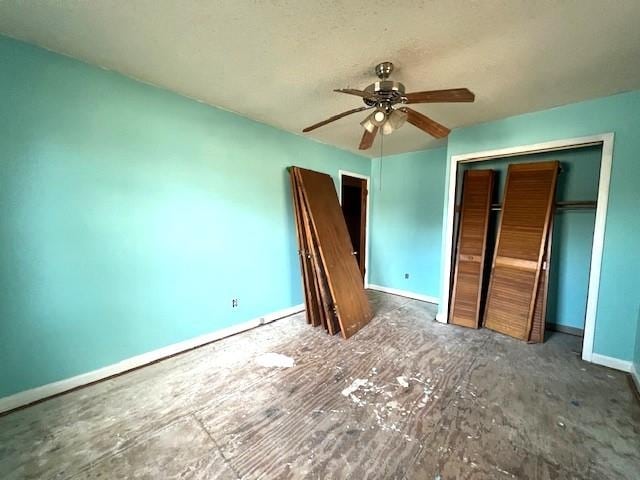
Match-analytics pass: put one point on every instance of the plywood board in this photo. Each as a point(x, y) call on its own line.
point(475, 208)
point(524, 225)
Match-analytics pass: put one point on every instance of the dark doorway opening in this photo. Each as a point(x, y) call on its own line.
point(354, 208)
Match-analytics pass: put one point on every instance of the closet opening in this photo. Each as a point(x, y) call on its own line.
point(576, 234)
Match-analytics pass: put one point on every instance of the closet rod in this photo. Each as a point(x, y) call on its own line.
point(570, 205)
point(574, 205)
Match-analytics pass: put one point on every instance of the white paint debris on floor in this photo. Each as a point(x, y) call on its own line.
point(275, 360)
point(379, 397)
point(355, 385)
point(358, 383)
point(427, 393)
point(403, 382)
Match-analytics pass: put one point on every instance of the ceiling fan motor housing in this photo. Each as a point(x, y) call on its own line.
point(386, 92)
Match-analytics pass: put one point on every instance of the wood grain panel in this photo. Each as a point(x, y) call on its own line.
point(319, 279)
point(312, 306)
point(540, 310)
point(334, 245)
point(477, 188)
point(318, 293)
point(526, 215)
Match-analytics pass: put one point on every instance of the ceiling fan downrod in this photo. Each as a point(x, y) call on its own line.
point(383, 70)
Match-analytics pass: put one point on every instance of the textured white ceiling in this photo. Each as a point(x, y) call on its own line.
point(278, 61)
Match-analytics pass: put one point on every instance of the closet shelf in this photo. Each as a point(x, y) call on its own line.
point(570, 205)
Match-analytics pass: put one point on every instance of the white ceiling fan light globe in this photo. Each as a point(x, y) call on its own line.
point(397, 118)
point(376, 119)
point(379, 117)
point(395, 121)
point(368, 124)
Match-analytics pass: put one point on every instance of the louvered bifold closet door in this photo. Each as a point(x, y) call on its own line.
point(540, 309)
point(526, 215)
point(334, 246)
point(475, 207)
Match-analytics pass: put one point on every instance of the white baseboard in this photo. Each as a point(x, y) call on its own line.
point(29, 396)
point(635, 375)
point(441, 317)
point(405, 293)
point(611, 362)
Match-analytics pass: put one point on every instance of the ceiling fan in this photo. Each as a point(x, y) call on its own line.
point(388, 98)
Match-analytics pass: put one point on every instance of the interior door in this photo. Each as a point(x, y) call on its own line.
point(354, 208)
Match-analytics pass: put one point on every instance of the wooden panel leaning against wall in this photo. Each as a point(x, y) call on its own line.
point(527, 211)
point(475, 209)
point(317, 278)
point(332, 277)
point(311, 299)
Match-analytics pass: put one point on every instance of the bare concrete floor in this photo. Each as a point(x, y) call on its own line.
point(406, 398)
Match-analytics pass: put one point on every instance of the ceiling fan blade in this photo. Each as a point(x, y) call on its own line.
point(334, 118)
point(359, 93)
point(367, 139)
point(441, 96)
point(424, 123)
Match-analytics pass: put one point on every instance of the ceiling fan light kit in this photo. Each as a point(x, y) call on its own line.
point(368, 124)
point(388, 97)
point(374, 120)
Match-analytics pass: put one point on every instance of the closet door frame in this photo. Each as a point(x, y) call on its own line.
point(605, 140)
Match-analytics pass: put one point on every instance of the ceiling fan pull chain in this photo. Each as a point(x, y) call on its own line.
point(380, 169)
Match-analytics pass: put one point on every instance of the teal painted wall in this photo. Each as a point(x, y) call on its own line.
point(407, 198)
point(131, 216)
point(572, 232)
point(619, 297)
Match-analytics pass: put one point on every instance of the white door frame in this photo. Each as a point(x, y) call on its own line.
point(606, 140)
point(368, 215)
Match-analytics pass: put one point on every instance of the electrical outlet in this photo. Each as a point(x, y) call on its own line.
point(234, 303)
point(406, 276)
